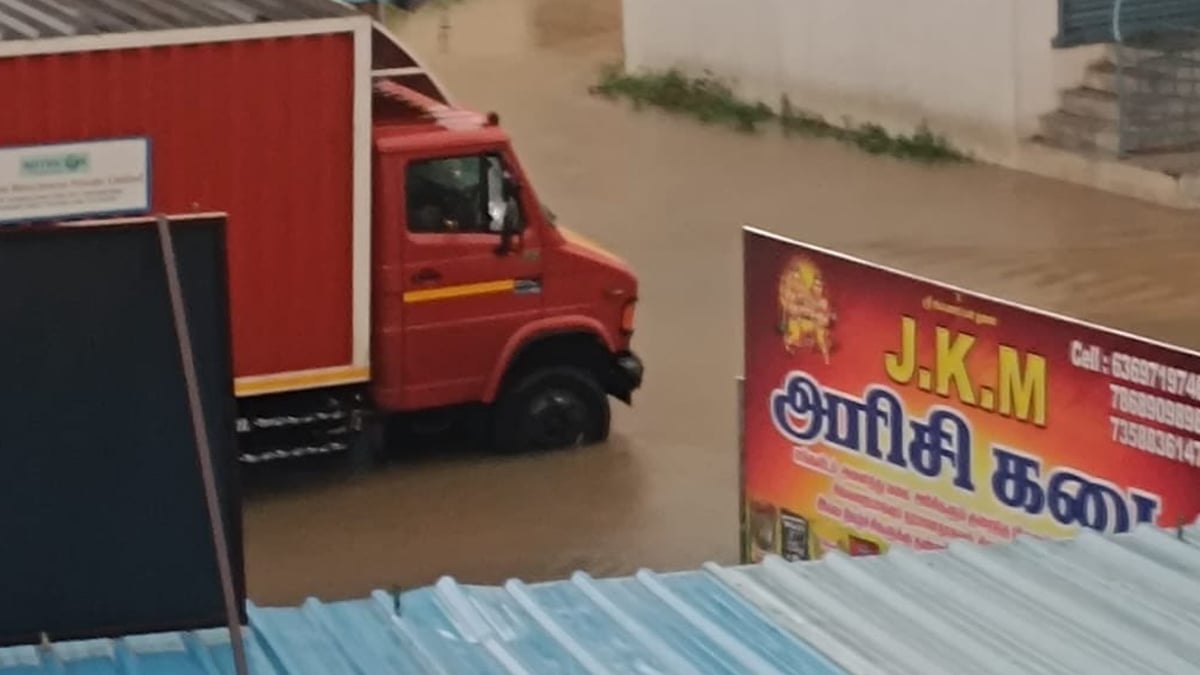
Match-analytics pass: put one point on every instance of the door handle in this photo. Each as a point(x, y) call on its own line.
point(426, 275)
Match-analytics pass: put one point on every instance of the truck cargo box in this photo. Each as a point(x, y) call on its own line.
point(264, 116)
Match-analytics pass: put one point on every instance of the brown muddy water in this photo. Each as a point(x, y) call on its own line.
point(671, 196)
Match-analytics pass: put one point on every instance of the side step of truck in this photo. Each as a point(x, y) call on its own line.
point(300, 424)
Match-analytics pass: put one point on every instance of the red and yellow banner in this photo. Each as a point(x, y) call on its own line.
point(885, 409)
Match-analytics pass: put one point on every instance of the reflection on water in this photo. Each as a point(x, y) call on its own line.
point(670, 196)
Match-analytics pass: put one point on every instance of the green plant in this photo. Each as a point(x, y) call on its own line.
point(924, 145)
point(802, 122)
point(712, 101)
point(706, 98)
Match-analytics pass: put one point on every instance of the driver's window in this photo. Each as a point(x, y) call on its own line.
point(458, 194)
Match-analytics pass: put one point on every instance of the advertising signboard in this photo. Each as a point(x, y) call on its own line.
point(883, 409)
point(74, 180)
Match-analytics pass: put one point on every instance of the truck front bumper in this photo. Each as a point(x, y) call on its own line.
point(627, 373)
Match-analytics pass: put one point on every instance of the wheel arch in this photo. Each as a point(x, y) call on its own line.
point(579, 341)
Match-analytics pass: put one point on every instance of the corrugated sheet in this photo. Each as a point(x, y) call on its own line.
point(1129, 604)
point(32, 19)
point(1126, 605)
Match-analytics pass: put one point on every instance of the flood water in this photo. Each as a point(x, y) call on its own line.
point(671, 196)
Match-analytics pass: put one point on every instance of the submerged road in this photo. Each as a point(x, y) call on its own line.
point(670, 196)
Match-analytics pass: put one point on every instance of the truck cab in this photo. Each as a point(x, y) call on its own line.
point(478, 294)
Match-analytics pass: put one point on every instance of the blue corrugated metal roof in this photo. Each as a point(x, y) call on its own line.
point(1128, 604)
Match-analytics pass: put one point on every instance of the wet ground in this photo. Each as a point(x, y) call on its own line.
point(670, 195)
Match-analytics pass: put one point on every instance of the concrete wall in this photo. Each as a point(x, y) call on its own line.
point(978, 71)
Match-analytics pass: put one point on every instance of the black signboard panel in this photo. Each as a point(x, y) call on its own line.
point(102, 510)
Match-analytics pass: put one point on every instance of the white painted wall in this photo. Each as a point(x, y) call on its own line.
point(978, 71)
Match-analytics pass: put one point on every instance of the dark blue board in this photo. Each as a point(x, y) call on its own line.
point(102, 512)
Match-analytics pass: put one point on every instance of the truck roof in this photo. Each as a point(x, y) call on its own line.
point(403, 113)
point(406, 105)
point(39, 19)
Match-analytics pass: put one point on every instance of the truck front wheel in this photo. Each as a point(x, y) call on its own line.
point(551, 408)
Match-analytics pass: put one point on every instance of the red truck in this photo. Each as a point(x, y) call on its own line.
point(386, 251)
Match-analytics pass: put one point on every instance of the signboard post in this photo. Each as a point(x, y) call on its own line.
point(204, 453)
point(743, 532)
point(884, 409)
point(74, 180)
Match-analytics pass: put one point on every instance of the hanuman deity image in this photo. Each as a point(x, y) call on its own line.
point(806, 317)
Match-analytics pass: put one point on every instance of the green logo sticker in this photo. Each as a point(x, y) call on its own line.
point(54, 165)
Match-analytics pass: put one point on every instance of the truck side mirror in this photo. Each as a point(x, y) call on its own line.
point(504, 205)
point(511, 187)
point(511, 225)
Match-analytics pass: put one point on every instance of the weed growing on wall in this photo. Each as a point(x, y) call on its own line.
point(712, 101)
point(706, 98)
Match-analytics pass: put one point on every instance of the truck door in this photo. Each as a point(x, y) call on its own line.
point(464, 296)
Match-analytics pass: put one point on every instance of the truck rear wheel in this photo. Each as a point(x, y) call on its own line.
point(550, 409)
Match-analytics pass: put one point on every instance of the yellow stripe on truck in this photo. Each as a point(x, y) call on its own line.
point(461, 291)
point(307, 379)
